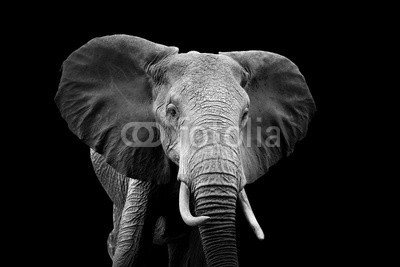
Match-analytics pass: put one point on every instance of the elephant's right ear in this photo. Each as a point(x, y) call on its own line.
point(105, 90)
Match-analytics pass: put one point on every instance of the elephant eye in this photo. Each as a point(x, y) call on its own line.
point(244, 117)
point(172, 110)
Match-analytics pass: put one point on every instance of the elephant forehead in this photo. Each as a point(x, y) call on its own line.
point(198, 66)
point(198, 75)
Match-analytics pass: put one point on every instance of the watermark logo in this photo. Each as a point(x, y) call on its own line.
point(140, 134)
point(151, 134)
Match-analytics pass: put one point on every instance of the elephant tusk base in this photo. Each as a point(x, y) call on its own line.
point(249, 214)
point(187, 217)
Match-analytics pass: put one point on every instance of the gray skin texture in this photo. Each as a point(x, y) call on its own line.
point(150, 215)
point(118, 79)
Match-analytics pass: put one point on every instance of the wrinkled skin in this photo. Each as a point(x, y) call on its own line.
point(207, 95)
point(201, 103)
point(164, 223)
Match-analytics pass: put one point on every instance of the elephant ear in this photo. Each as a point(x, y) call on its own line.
point(281, 107)
point(105, 95)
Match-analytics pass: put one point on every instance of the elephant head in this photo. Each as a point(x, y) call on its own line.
point(224, 119)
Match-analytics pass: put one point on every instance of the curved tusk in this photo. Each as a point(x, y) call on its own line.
point(184, 208)
point(249, 214)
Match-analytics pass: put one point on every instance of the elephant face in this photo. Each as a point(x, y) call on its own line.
point(223, 119)
point(203, 105)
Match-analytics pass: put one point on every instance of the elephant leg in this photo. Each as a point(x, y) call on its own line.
point(112, 237)
point(135, 227)
point(159, 232)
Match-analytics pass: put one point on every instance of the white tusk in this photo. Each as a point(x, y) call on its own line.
point(248, 212)
point(184, 208)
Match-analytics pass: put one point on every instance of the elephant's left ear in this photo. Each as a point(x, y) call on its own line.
point(281, 107)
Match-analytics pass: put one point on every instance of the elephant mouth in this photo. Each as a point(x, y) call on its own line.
point(189, 219)
point(226, 171)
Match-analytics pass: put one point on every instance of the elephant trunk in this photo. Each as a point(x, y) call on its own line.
point(218, 234)
point(213, 173)
point(216, 176)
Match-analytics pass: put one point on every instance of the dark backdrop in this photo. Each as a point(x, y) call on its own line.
point(301, 204)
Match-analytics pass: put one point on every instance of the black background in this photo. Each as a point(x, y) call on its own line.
point(303, 204)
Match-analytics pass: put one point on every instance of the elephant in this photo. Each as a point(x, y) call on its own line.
point(175, 137)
